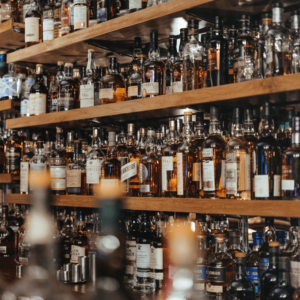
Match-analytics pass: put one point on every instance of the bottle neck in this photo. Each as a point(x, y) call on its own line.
point(273, 262)
point(91, 65)
point(221, 247)
point(237, 130)
point(249, 128)
point(277, 16)
point(284, 277)
point(240, 271)
point(214, 128)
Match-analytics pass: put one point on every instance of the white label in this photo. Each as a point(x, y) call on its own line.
point(288, 185)
point(32, 29)
point(223, 174)
point(3, 249)
point(35, 171)
point(129, 170)
point(135, 4)
point(129, 270)
point(76, 251)
point(86, 95)
point(196, 171)
point(73, 178)
point(169, 90)
point(133, 91)
point(247, 172)
point(231, 178)
point(80, 17)
point(23, 260)
point(37, 104)
point(48, 29)
point(24, 177)
point(269, 58)
point(277, 186)
point(131, 251)
point(108, 184)
point(24, 106)
point(107, 94)
point(143, 256)
point(166, 165)
point(156, 258)
point(177, 87)
point(208, 175)
point(209, 152)
point(295, 274)
point(261, 185)
point(214, 288)
point(152, 88)
point(93, 171)
point(58, 176)
point(179, 174)
point(144, 188)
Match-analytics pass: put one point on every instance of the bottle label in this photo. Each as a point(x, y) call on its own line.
point(23, 261)
point(288, 185)
point(58, 176)
point(86, 95)
point(143, 256)
point(216, 274)
point(156, 258)
point(129, 270)
point(3, 249)
point(252, 274)
point(129, 170)
point(37, 104)
point(107, 94)
point(80, 16)
point(24, 177)
point(24, 107)
point(179, 174)
point(9, 87)
point(151, 88)
point(214, 59)
point(32, 29)
point(135, 4)
point(208, 152)
point(131, 251)
point(231, 174)
point(133, 91)
point(101, 15)
point(65, 24)
point(208, 175)
point(30, 81)
point(12, 158)
point(261, 185)
point(277, 186)
point(108, 184)
point(93, 171)
point(166, 165)
point(295, 274)
point(73, 178)
point(142, 273)
point(197, 172)
point(200, 272)
point(214, 288)
point(48, 29)
point(145, 188)
point(76, 251)
point(177, 87)
point(143, 173)
point(36, 170)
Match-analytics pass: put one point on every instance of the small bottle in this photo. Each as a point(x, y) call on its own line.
point(172, 54)
point(235, 244)
point(9, 84)
point(48, 22)
point(81, 15)
point(33, 25)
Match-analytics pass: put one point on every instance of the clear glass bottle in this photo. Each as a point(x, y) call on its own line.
point(13, 154)
point(293, 243)
point(9, 84)
point(33, 25)
point(232, 35)
point(70, 146)
point(48, 21)
point(67, 233)
point(81, 14)
point(53, 89)
point(295, 42)
point(172, 54)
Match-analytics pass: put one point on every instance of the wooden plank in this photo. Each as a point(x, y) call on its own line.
point(9, 38)
point(9, 104)
point(272, 208)
point(5, 178)
point(152, 106)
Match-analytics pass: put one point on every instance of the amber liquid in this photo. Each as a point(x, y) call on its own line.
point(280, 65)
point(159, 69)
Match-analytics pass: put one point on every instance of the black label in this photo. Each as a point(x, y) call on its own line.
point(13, 158)
point(216, 274)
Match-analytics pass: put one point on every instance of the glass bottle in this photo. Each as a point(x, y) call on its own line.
point(240, 287)
point(106, 10)
point(172, 54)
point(292, 247)
point(104, 140)
point(33, 25)
point(295, 42)
point(9, 84)
point(65, 17)
point(9, 11)
point(112, 85)
point(232, 35)
point(70, 146)
point(234, 244)
point(213, 157)
point(48, 21)
point(81, 14)
point(67, 234)
point(295, 264)
point(218, 55)
point(267, 175)
point(278, 44)
point(53, 89)
point(238, 168)
point(13, 154)
point(154, 70)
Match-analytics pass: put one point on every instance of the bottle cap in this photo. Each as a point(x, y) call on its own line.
point(274, 244)
point(150, 131)
point(284, 263)
point(193, 24)
point(69, 65)
point(218, 24)
point(172, 124)
point(240, 254)
point(130, 129)
point(187, 116)
point(142, 131)
point(91, 50)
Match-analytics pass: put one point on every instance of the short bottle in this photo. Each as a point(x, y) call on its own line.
point(81, 14)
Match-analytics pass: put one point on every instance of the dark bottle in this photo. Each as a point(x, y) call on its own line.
point(208, 37)
point(204, 59)
point(281, 237)
point(232, 34)
point(217, 55)
point(235, 243)
point(269, 278)
point(240, 288)
point(283, 290)
point(172, 54)
point(13, 154)
point(268, 160)
point(3, 65)
point(2, 155)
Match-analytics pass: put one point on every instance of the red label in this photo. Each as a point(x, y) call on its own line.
point(176, 73)
point(149, 74)
point(65, 21)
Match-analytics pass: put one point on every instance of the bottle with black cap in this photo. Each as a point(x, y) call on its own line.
point(172, 54)
point(232, 35)
point(213, 156)
point(267, 177)
point(238, 168)
point(218, 55)
point(192, 59)
point(295, 20)
point(154, 70)
point(278, 44)
point(178, 64)
point(112, 85)
point(290, 159)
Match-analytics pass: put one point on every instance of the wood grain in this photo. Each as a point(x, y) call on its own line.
point(272, 208)
point(9, 38)
point(5, 178)
point(8, 104)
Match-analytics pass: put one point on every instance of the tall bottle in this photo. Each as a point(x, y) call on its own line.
point(81, 14)
point(232, 34)
point(154, 70)
point(33, 25)
point(172, 54)
point(13, 154)
point(295, 265)
point(9, 84)
point(48, 21)
point(53, 89)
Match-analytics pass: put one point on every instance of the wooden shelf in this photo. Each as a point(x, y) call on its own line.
point(7, 106)
point(10, 39)
point(272, 208)
point(7, 178)
point(254, 92)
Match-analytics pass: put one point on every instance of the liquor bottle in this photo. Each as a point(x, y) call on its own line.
point(217, 55)
point(48, 21)
point(281, 237)
point(58, 169)
point(67, 234)
point(213, 157)
point(253, 260)
point(9, 84)
point(267, 177)
point(295, 42)
point(92, 12)
point(278, 45)
point(81, 14)
point(177, 86)
point(89, 87)
point(144, 282)
point(232, 35)
point(238, 167)
point(142, 141)
point(94, 160)
point(53, 90)
point(70, 146)
point(293, 243)
point(240, 287)
point(188, 166)
point(38, 94)
point(68, 90)
point(243, 50)
point(76, 172)
point(112, 85)
point(57, 19)
point(9, 11)
point(65, 18)
point(235, 244)
point(149, 168)
point(33, 25)
point(290, 113)
point(154, 70)
point(172, 54)
point(13, 154)
point(220, 268)
point(103, 11)
point(281, 135)
point(269, 278)
point(258, 49)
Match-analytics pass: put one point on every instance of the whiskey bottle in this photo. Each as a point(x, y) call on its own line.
point(213, 157)
point(67, 233)
point(278, 45)
point(103, 10)
point(24, 167)
point(92, 12)
point(172, 54)
point(295, 42)
point(217, 55)
point(65, 18)
point(53, 89)
point(112, 85)
point(232, 35)
point(240, 287)
point(192, 59)
point(188, 166)
point(267, 178)
point(238, 168)
point(81, 14)
point(70, 146)
point(48, 21)
point(57, 19)
point(154, 70)
point(177, 86)
point(38, 94)
point(104, 140)
point(204, 42)
point(234, 243)
point(33, 25)
point(58, 169)
point(9, 84)
point(13, 154)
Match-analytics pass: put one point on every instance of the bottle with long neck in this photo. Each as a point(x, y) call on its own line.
point(172, 54)
point(232, 34)
point(295, 41)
